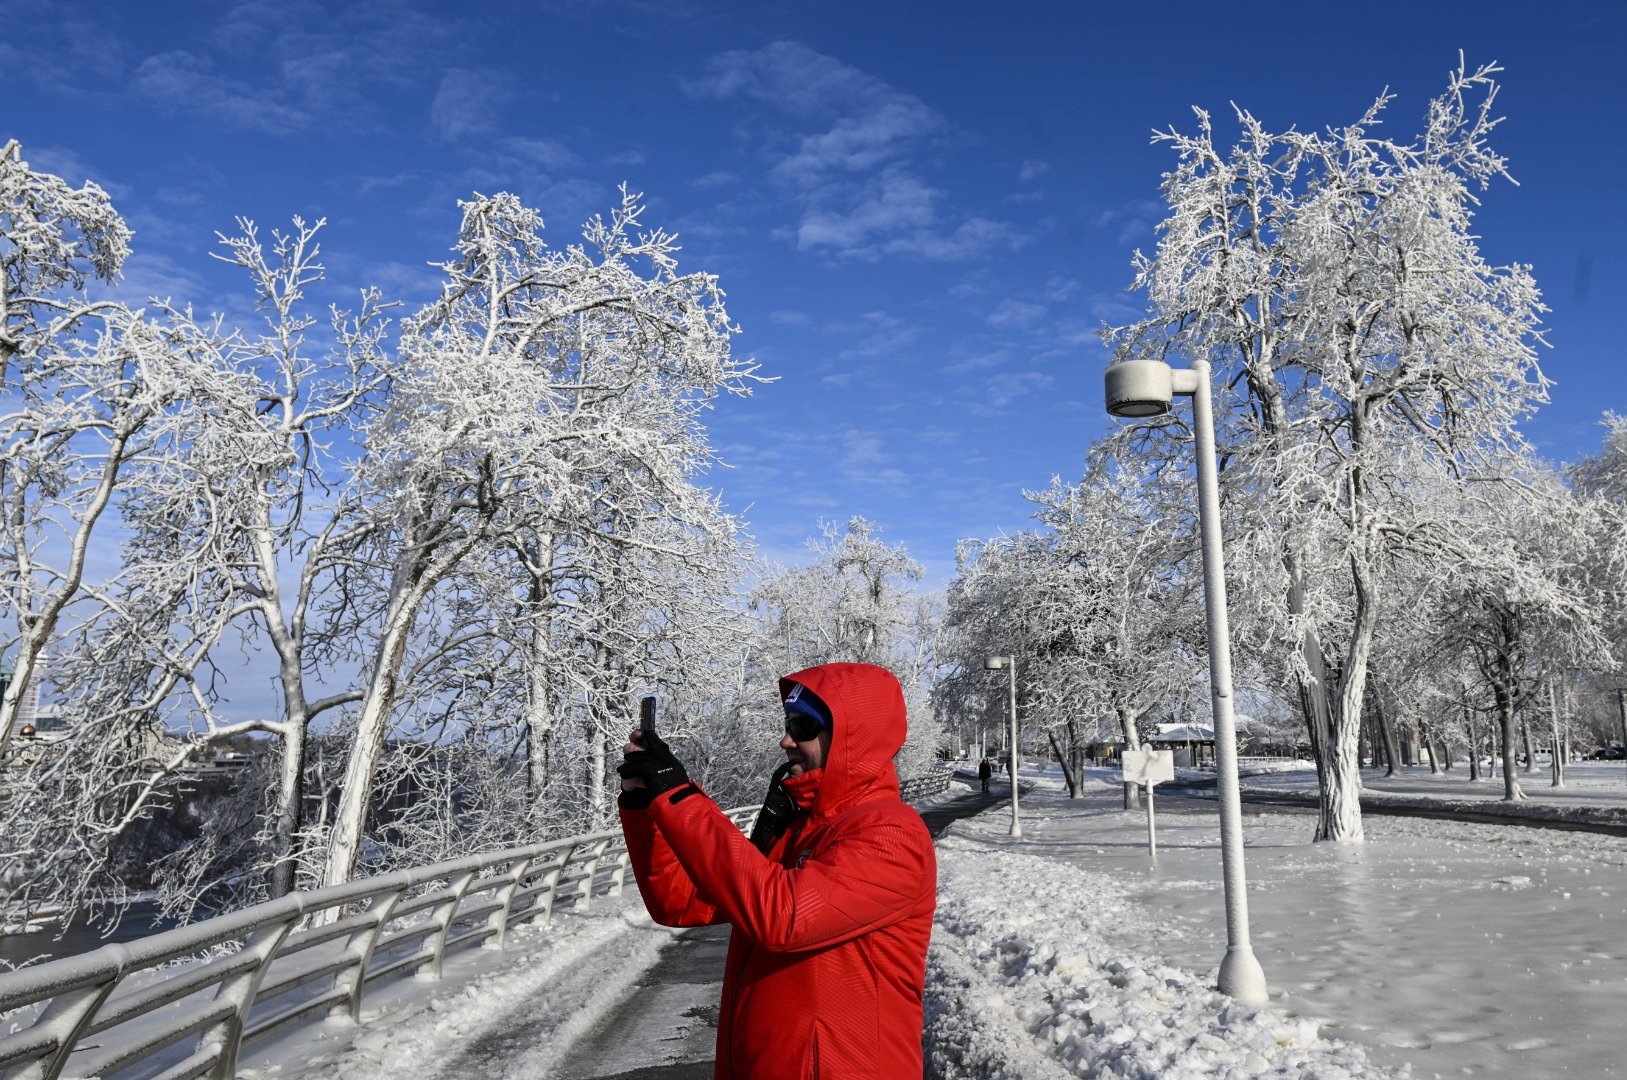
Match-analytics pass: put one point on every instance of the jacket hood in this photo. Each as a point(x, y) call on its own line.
point(867, 728)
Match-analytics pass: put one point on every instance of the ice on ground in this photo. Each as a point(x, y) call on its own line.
point(1458, 949)
point(1023, 983)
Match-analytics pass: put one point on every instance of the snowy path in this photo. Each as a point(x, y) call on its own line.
point(515, 1013)
point(599, 995)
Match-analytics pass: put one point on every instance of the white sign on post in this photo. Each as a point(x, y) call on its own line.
point(1148, 768)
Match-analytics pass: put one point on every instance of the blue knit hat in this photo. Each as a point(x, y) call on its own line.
point(805, 702)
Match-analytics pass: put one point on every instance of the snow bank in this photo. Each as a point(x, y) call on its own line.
point(1021, 987)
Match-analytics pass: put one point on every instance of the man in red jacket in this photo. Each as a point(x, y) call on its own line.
point(830, 901)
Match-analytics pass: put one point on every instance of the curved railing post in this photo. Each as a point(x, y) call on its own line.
point(353, 979)
point(585, 897)
point(442, 917)
point(624, 859)
point(498, 920)
point(65, 1018)
point(546, 898)
point(240, 991)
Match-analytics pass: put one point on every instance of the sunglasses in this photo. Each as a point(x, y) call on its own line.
point(801, 727)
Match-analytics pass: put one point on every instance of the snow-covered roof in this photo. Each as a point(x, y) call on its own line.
point(1183, 733)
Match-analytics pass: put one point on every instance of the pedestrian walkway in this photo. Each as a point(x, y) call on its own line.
point(668, 1027)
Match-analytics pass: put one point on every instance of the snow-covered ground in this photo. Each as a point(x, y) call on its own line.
point(1440, 948)
point(1436, 949)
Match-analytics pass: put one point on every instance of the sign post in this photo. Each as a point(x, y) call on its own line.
point(1149, 767)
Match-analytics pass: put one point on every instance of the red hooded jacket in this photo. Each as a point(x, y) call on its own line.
point(827, 958)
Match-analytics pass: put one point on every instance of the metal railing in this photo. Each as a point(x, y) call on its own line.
point(933, 782)
point(268, 973)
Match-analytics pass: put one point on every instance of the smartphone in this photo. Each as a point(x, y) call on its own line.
point(646, 719)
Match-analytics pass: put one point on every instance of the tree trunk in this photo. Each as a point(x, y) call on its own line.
point(1431, 748)
point(1525, 738)
point(1556, 760)
point(1340, 813)
point(413, 580)
point(1385, 730)
point(290, 812)
point(290, 809)
point(1335, 789)
point(1565, 720)
point(1132, 741)
point(1621, 707)
point(1062, 760)
point(539, 711)
point(1505, 716)
point(1474, 733)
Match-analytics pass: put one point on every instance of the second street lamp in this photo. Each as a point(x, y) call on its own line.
point(995, 663)
point(1138, 388)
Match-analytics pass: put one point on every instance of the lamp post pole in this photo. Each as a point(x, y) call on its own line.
point(994, 663)
point(1146, 388)
point(1621, 707)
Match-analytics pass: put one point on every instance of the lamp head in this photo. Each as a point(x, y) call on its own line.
point(994, 663)
point(1139, 388)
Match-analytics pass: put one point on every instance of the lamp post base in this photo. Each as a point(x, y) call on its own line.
point(1242, 979)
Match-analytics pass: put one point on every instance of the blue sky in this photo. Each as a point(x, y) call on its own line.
point(921, 212)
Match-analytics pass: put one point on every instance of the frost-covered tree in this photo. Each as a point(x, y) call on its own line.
point(82, 379)
point(531, 360)
point(855, 602)
point(1525, 597)
point(1096, 605)
point(1605, 473)
point(103, 404)
point(1333, 279)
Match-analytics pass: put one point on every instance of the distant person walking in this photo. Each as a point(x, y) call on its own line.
point(984, 771)
point(830, 900)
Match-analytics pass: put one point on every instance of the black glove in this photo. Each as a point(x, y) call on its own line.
point(775, 816)
point(656, 766)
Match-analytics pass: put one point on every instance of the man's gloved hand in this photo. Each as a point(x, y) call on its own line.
point(775, 816)
point(656, 766)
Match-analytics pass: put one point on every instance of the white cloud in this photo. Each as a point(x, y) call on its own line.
point(852, 221)
point(1032, 170)
point(852, 160)
point(73, 169)
point(1005, 389)
point(1136, 220)
point(544, 153)
point(884, 337)
point(1015, 313)
point(185, 82)
point(468, 103)
point(715, 180)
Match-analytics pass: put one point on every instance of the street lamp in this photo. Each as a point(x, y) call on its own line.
point(1147, 388)
point(995, 663)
